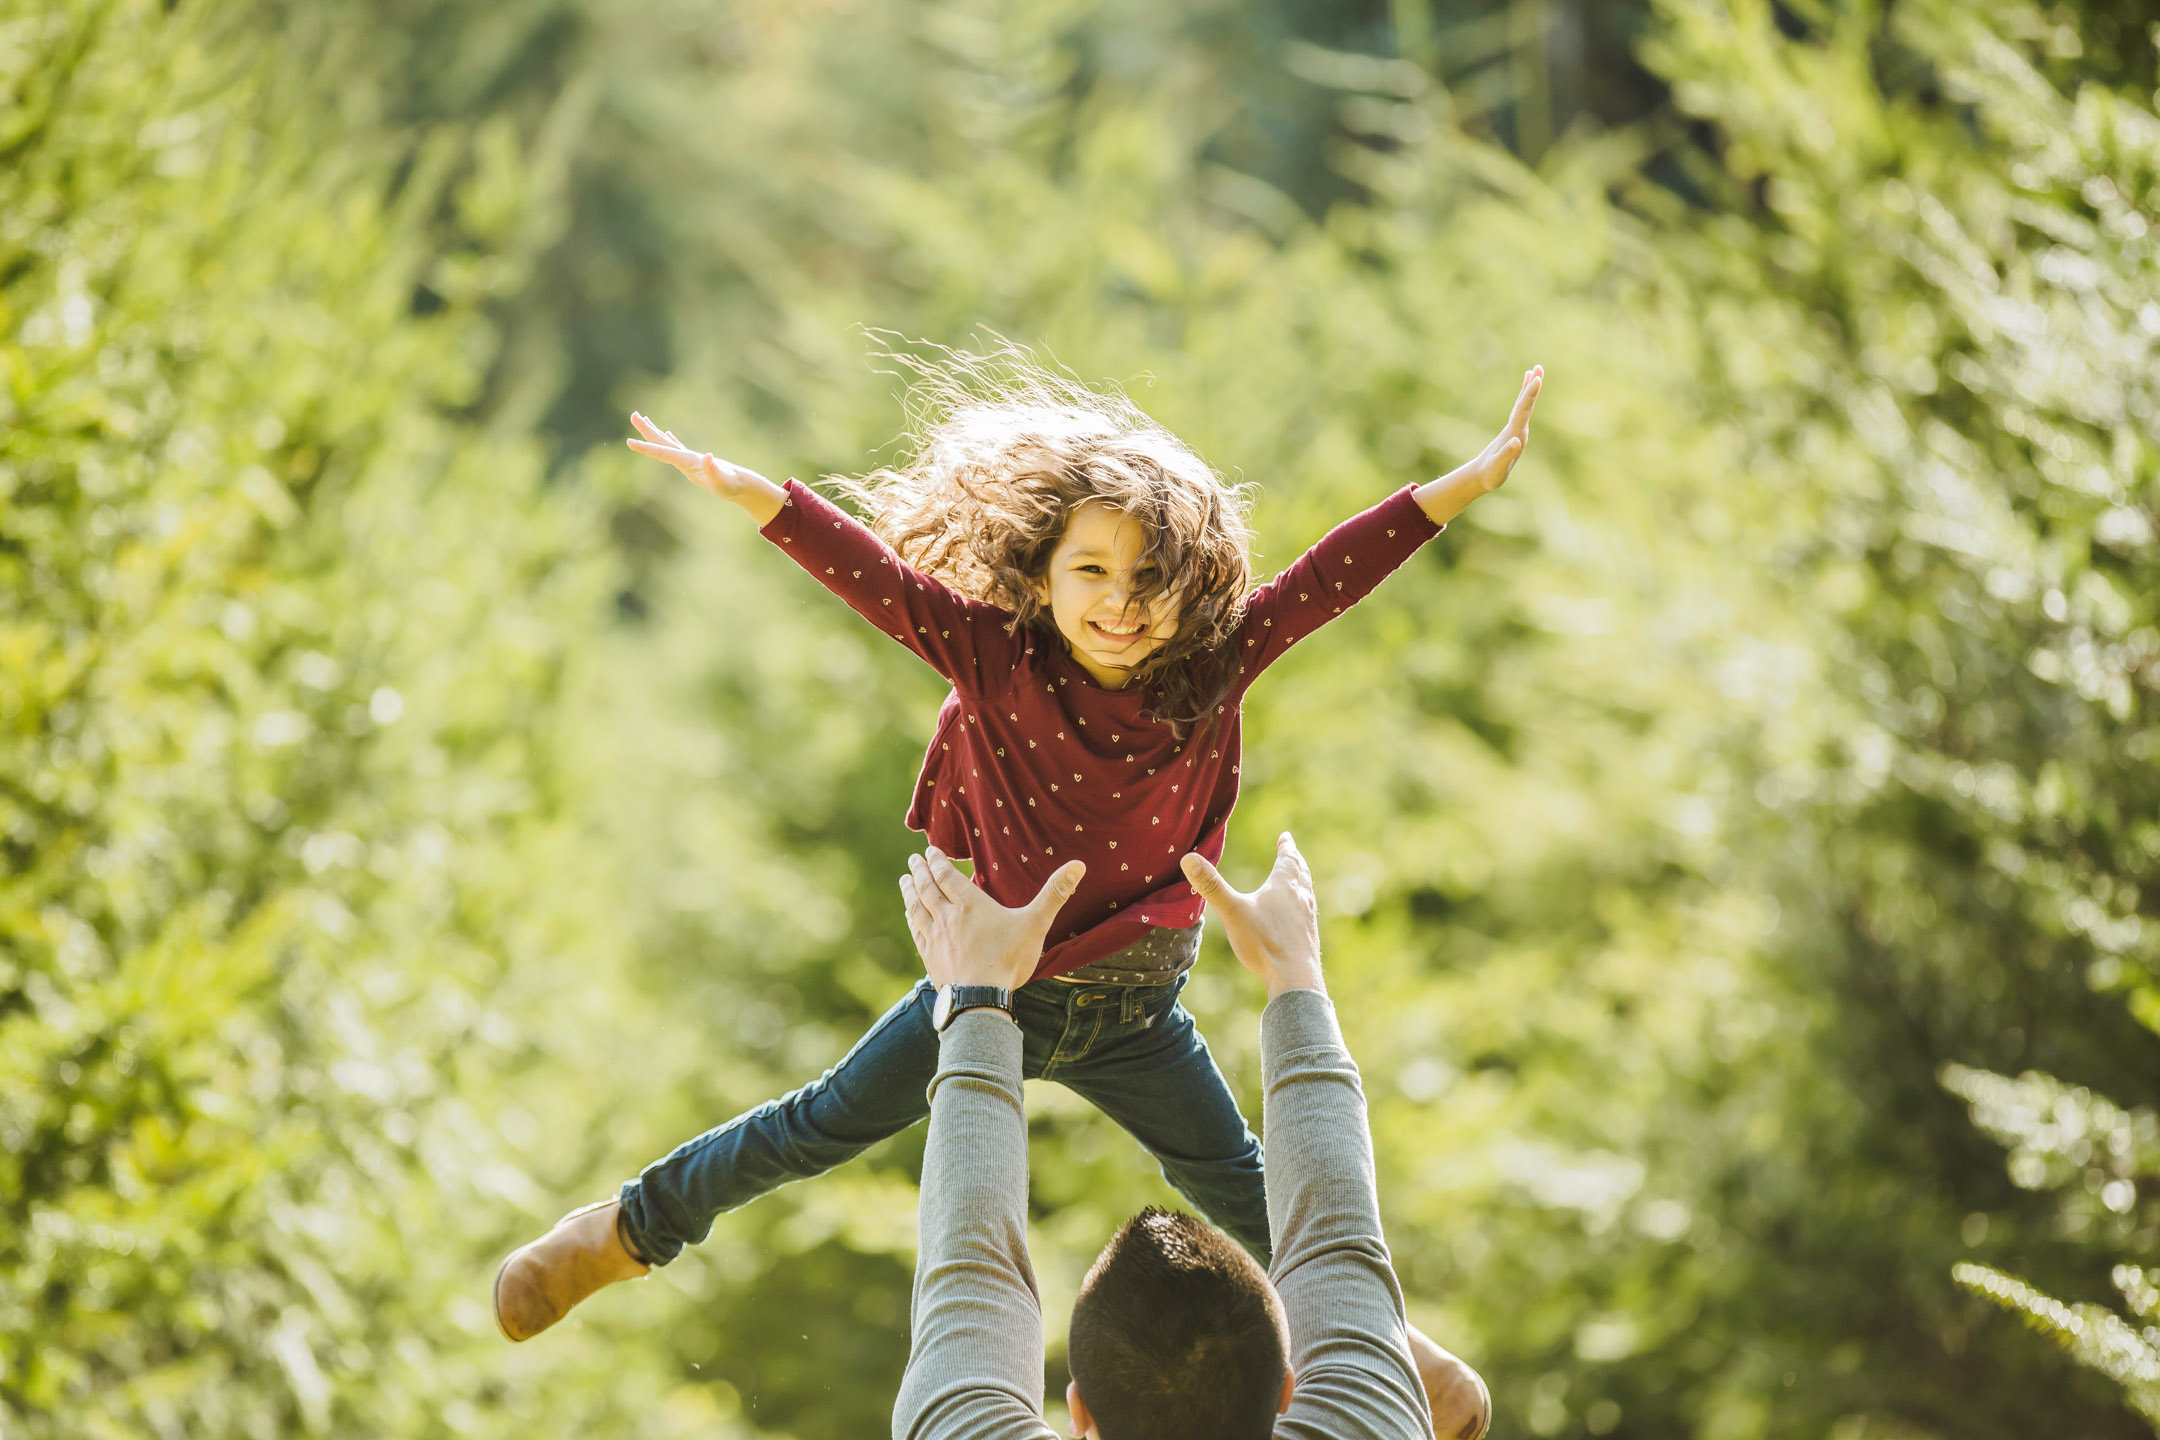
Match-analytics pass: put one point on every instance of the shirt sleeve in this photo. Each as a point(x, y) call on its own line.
point(975, 1358)
point(1349, 1337)
point(964, 640)
point(1347, 565)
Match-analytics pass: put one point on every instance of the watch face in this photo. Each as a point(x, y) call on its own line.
point(941, 1012)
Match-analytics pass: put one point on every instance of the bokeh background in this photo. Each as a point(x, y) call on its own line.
point(1739, 838)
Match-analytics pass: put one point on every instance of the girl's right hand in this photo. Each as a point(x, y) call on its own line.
point(746, 488)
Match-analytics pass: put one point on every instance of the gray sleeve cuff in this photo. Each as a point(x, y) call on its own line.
point(982, 1042)
point(1294, 1021)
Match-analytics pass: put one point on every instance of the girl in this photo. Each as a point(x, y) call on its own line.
point(1080, 577)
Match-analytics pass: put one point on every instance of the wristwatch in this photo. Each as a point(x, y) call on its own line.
point(953, 999)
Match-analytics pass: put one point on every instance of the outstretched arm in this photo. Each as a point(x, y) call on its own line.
point(1352, 559)
point(964, 640)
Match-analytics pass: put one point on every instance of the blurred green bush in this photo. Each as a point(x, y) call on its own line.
point(288, 806)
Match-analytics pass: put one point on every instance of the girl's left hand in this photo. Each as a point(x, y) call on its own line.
point(1491, 465)
point(1445, 498)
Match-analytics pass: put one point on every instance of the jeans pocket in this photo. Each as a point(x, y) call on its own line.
point(1151, 1005)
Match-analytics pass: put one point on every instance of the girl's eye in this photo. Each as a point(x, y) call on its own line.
point(1093, 570)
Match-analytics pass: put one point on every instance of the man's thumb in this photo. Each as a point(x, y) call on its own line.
point(1059, 888)
point(1205, 878)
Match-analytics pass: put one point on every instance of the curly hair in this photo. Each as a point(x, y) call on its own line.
point(1002, 452)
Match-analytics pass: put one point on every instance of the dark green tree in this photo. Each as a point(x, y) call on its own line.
point(288, 795)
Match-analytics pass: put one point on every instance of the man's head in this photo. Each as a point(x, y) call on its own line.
point(1177, 1335)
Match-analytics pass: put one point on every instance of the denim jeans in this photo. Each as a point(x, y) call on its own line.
point(1131, 1050)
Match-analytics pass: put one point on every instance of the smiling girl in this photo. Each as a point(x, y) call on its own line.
point(1081, 579)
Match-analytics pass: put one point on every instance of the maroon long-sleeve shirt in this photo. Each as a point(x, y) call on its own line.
point(1034, 763)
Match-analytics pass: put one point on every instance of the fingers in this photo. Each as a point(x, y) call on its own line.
point(939, 870)
point(1499, 459)
point(662, 445)
point(1507, 447)
point(918, 914)
point(926, 889)
point(1526, 400)
point(653, 432)
point(928, 895)
point(675, 455)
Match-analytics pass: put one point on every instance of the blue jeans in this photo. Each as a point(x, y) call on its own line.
point(1131, 1050)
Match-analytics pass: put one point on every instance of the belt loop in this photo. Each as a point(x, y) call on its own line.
point(1129, 1010)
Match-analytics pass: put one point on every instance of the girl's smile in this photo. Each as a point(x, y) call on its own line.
point(1114, 636)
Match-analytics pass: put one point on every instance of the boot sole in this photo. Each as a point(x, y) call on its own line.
point(496, 1305)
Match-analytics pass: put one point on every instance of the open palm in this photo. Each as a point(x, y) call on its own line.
point(707, 471)
point(1445, 498)
point(1489, 467)
point(758, 496)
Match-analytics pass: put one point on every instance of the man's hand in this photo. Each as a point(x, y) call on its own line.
point(1445, 498)
point(746, 488)
point(967, 938)
point(1274, 931)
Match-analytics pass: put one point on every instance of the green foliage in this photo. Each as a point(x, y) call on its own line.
point(2098, 1339)
point(1705, 822)
point(288, 820)
point(2094, 1156)
point(1969, 378)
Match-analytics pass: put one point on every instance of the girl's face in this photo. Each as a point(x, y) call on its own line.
point(1098, 563)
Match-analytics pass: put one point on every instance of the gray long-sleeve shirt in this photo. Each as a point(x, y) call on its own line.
point(976, 1365)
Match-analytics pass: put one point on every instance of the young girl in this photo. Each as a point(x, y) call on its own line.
point(1080, 577)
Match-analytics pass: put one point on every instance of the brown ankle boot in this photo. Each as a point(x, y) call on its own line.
point(541, 1281)
point(1461, 1406)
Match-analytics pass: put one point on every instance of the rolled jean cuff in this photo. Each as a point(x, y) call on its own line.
point(639, 1250)
point(630, 1199)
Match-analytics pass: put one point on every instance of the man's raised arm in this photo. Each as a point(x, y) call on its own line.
point(975, 1360)
point(1350, 1357)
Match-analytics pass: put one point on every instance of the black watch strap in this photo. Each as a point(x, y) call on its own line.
point(953, 1000)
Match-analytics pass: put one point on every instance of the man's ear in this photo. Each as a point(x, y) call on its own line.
point(1289, 1383)
point(1082, 1422)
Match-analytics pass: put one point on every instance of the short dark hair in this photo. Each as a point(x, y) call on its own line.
point(1177, 1335)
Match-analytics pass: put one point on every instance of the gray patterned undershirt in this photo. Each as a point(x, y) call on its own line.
point(1162, 956)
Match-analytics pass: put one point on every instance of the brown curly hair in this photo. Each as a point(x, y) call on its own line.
point(1002, 451)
